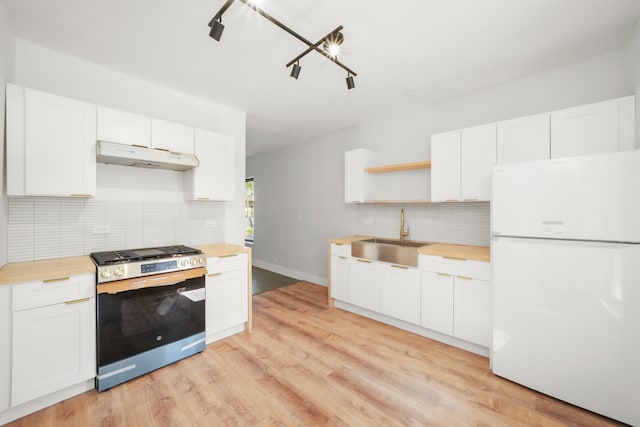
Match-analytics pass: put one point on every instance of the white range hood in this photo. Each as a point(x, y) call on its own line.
point(130, 155)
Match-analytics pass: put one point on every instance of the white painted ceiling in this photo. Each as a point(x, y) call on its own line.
point(434, 49)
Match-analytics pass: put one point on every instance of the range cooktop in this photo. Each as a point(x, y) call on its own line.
point(142, 254)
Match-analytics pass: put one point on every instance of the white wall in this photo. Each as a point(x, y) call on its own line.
point(6, 69)
point(632, 73)
point(7, 52)
point(299, 189)
point(54, 72)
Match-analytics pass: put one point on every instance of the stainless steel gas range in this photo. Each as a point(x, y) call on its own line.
point(150, 310)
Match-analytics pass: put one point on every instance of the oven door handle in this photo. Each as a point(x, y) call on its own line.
point(150, 281)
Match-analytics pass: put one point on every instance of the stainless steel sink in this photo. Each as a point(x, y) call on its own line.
point(388, 250)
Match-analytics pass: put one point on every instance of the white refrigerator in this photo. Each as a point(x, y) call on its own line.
point(566, 280)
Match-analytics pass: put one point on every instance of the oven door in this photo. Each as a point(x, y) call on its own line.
point(135, 316)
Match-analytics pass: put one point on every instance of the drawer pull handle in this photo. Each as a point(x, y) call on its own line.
point(400, 266)
point(453, 258)
point(138, 145)
point(464, 278)
point(443, 274)
point(366, 261)
point(203, 198)
point(59, 279)
point(77, 301)
point(227, 256)
point(214, 274)
point(451, 200)
point(471, 200)
point(342, 257)
point(339, 244)
point(80, 195)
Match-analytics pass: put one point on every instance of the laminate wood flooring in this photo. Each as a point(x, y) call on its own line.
point(308, 365)
point(265, 280)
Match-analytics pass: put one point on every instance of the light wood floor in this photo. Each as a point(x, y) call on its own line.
point(307, 365)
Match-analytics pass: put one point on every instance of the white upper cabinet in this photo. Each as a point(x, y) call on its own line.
point(123, 127)
point(172, 136)
point(357, 183)
point(50, 145)
point(214, 178)
point(477, 161)
point(523, 139)
point(445, 166)
point(602, 127)
point(461, 164)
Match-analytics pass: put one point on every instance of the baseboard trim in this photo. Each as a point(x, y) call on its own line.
point(291, 273)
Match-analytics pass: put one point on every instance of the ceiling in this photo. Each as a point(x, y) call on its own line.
point(409, 54)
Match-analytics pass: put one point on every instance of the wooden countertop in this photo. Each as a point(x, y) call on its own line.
point(476, 253)
point(223, 249)
point(45, 269)
point(348, 240)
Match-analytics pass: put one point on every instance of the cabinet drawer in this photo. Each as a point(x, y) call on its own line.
point(53, 291)
point(340, 249)
point(226, 263)
point(458, 267)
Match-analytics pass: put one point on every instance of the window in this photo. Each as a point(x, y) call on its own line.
point(249, 192)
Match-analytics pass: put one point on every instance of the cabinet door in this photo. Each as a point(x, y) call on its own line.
point(340, 278)
point(437, 302)
point(364, 284)
point(171, 136)
point(357, 183)
point(214, 178)
point(478, 148)
point(523, 139)
point(53, 348)
point(59, 146)
point(226, 301)
point(123, 127)
point(400, 291)
point(591, 129)
point(472, 313)
point(445, 167)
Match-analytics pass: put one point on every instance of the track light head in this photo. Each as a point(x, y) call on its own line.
point(350, 82)
point(332, 44)
point(216, 29)
point(295, 71)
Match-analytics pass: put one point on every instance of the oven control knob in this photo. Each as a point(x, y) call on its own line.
point(119, 271)
point(105, 274)
point(201, 260)
point(193, 261)
point(185, 262)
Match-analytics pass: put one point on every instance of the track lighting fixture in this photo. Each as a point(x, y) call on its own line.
point(330, 43)
point(295, 71)
point(216, 29)
point(350, 83)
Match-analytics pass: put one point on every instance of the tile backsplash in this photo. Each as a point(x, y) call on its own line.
point(461, 223)
point(41, 228)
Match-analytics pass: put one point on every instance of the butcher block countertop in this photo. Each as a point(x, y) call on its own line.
point(45, 269)
point(223, 249)
point(446, 250)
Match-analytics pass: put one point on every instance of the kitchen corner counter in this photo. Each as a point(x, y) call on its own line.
point(446, 250)
point(223, 249)
point(45, 269)
point(347, 240)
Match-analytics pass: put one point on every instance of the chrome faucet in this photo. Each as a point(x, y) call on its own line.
point(403, 233)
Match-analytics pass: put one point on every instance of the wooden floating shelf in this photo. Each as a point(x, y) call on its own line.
point(400, 167)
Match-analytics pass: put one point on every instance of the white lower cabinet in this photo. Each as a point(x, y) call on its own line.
point(437, 302)
point(400, 292)
point(364, 284)
point(456, 298)
point(472, 310)
point(227, 300)
point(54, 341)
point(340, 277)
